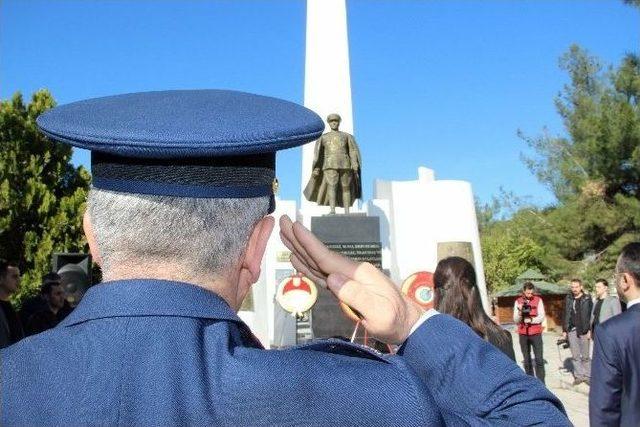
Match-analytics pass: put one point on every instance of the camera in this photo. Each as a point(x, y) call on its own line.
point(563, 342)
point(526, 309)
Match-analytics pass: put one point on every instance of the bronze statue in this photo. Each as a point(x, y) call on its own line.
point(335, 180)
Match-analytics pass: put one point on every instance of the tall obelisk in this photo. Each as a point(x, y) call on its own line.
point(327, 81)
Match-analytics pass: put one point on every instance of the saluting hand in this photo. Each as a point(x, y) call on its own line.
point(386, 313)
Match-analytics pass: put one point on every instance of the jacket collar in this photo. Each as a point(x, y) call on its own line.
point(149, 297)
point(633, 303)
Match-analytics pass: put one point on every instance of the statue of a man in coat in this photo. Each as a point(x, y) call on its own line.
point(335, 180)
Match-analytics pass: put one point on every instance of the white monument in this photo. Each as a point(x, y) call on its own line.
point(422, 214)
point(415, 216)
point(327, 81)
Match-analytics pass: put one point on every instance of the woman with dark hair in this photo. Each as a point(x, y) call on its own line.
point(457, 294)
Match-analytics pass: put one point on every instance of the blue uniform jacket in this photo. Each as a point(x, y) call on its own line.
point(614, 397)
point(156, 353)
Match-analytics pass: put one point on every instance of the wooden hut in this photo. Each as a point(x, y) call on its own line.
point(552, 295)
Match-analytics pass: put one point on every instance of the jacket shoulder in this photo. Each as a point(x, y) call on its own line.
point(621, 321)
point(628, 316)
point(612, 301)
point(343, 348)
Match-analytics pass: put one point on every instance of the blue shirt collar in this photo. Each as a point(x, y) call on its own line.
point(150, 297)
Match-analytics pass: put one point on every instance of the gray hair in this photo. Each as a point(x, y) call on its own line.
point(202, 236)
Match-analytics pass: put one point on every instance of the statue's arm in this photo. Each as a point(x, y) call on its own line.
point(317, 155)
point(354, 152)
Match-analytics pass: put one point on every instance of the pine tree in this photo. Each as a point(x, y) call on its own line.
point(600, 155)
point(594, 171)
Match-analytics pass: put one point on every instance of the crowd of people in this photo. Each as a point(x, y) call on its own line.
point(37, 314)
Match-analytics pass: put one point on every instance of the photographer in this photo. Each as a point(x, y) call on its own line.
point(528, 314)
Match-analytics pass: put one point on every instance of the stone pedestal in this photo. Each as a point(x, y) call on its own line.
point(358, 237)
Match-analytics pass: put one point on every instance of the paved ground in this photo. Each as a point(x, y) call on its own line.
point(559, 380)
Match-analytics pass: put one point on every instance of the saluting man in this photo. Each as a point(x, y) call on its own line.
point(177, 217)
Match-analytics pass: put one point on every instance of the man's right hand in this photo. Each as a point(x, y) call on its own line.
point(386, 313)
point(564, 335)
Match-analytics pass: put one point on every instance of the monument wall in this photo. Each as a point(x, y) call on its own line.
point(424, 214)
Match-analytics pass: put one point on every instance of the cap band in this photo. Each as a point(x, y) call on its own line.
point(182, 190)
point(199, 177)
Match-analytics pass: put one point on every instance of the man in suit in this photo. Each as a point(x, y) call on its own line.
point(614, 398)
point(177, 217)
point(605, 306)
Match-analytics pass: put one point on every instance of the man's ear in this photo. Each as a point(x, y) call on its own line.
point(91, 238)
point(627, 281)
point(256, 247)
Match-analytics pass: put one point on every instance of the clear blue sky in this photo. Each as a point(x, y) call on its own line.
point(444, 84)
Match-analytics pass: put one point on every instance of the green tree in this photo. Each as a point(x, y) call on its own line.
point(594, 171)
point(579, 238)
point(507, 253)
point(601, 153)
point(42, 195)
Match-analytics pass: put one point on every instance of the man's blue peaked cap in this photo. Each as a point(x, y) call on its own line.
point(183, 143)
point(182, 123)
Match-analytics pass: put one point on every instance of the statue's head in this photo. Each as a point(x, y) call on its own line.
point(334, 121)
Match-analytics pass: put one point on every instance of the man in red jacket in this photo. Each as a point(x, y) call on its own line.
point(528, 314)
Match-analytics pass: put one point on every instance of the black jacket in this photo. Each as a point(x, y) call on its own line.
point(584, 313)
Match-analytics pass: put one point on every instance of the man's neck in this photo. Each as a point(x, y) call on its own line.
point(54, 310)
point(4, 295)
point(214, 283)
point(579, 295)
point(632, 297)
